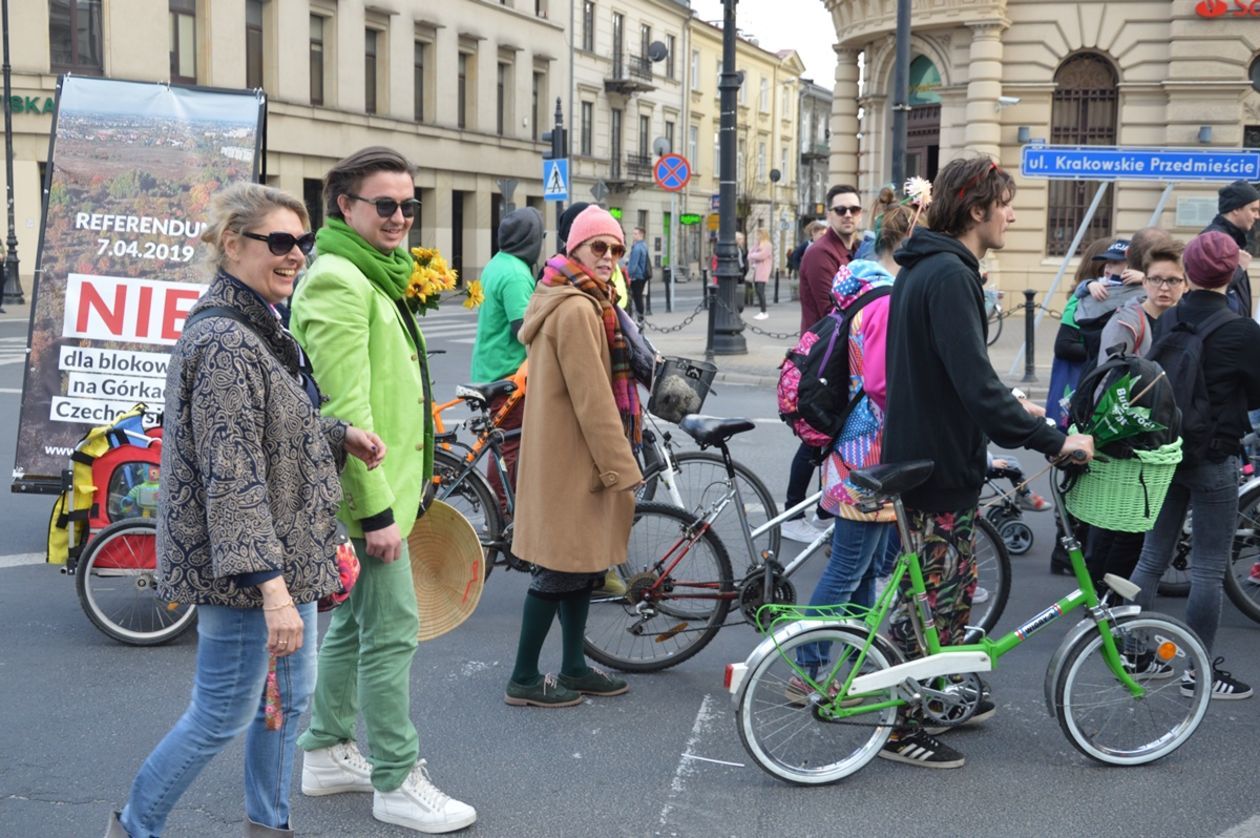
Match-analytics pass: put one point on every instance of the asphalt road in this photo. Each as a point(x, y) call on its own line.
point(83, 711)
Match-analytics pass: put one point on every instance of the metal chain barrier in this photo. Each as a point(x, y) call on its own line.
point(686, 321)
point(792, 336)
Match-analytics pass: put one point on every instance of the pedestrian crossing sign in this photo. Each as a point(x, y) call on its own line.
point(556, 180)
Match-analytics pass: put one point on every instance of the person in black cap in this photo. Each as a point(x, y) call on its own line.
point(1238, 208)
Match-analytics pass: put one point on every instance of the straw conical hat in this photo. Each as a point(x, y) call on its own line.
point(447, 569)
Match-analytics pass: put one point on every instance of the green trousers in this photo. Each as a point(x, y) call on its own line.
point(365, 665)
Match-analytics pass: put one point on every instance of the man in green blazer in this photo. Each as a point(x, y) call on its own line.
point(350, 314)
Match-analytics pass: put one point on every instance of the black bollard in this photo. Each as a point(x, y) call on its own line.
point(669, 297)
point(1030, 335)
point(776, 286)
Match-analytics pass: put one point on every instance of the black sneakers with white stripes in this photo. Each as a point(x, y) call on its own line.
point(922, 749)
point(1224, 685)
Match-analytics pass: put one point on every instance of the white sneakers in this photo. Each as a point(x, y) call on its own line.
point(418, 804)
point(335, 770)
point(761, 316)
point(799, 529)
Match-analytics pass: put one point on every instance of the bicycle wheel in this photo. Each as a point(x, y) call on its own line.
point(701, 479)
point(473, 498)
point(117, 588)
point(679, 589)
point(1104, 721)
point(993, 568)
point(1242, 586)
point(786, 732)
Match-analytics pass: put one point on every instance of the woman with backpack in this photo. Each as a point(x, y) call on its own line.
point(1214, 395)
point(860, 538)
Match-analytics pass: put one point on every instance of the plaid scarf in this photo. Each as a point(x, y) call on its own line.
point(561, 270)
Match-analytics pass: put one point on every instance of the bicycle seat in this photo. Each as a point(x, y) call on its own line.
point(713, 430)
point(485, 392)
point(893, 478)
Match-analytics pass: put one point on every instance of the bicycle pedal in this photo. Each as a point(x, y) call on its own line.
point(668, 633)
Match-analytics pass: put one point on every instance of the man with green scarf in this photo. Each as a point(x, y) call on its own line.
point(351, 315)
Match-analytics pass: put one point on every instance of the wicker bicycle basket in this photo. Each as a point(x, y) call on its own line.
point(1125, 495)
point(680, 387)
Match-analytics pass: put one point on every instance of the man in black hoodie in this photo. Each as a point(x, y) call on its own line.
point(1238, 209)
point(945, 402)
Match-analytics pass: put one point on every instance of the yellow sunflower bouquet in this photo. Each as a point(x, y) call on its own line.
point(431, 276)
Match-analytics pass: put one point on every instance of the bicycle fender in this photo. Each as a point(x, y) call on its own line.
point(1070, 639)
point(770, 644)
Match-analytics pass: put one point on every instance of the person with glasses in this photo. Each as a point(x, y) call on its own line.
point(944, 403)
point(246, 514)
point(834, 249)
point(351, 315)
point(577, 471)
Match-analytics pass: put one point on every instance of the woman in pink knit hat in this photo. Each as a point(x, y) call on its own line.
point(577, 471)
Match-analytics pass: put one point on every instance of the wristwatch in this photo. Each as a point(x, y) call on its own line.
point(1019, 394)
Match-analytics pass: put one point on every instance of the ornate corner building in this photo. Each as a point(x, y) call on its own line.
point(988, 76)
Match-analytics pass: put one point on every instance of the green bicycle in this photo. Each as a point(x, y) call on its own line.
point(1121, 683)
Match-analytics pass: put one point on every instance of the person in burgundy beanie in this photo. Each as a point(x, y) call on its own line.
point(1231, 371)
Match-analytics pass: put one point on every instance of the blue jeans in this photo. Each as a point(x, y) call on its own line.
point(228, 698)
point(857, 550)
point(1210, 490)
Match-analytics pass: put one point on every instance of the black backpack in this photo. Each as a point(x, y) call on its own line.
point(1159, 398)
point(1178, 348)
point(813, 389)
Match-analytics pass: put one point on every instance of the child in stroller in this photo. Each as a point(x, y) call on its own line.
point(1005, 510)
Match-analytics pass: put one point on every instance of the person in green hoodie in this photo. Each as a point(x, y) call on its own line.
point(508, 283)
point(351, 315)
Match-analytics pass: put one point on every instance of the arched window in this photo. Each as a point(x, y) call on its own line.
point(1083, 113)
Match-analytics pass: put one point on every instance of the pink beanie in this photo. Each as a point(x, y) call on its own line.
point(591, 222)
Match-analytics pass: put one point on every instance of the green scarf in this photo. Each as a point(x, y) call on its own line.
point(387, 271)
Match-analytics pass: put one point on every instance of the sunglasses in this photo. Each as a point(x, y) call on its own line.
point(281, 243)
point(386, 207)
point(847, 210)
point(600, 248)
point(993, 167)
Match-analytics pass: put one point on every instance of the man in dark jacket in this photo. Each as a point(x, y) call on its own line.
point(945, 402)
point(822, 259)
point(1238, 209)
point(1208, 481)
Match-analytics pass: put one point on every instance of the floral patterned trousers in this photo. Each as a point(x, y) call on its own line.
point(949, 574)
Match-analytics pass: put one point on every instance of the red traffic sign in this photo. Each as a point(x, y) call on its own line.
point(671, 172)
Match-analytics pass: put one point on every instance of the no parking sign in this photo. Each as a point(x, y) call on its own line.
point(672, 172)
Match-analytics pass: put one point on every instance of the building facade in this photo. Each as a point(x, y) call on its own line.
point(815, 136)
point(766, 141)
point(463, 88)
point(988, 77)
point(627, 103)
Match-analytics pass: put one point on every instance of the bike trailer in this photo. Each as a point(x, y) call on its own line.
point(113, 475)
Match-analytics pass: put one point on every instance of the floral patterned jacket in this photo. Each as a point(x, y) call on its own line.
point(249, 468)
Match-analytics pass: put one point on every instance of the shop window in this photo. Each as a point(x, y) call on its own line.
point(1083, 113)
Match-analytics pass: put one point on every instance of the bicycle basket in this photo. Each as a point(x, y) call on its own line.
point(1125, 495)
point(680, 388)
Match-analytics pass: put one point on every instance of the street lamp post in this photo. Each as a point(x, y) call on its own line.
point(727, 329)
point(901, 94)
point(12, 279)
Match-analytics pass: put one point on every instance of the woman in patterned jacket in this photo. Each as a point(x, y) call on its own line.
point(859, 539)
point(246, 513)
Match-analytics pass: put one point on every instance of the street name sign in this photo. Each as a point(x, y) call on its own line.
point(1096, 162)
point(556, 180)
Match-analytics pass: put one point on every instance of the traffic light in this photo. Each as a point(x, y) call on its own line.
point(558, 138)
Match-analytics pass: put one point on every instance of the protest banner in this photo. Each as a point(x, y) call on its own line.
point(132, 168)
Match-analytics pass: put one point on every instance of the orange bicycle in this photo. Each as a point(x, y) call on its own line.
point(457, 476)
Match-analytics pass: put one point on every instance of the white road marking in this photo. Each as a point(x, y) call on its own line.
point(17, 391)
point(19, 559)
point(1247, 829)
point(704, 719)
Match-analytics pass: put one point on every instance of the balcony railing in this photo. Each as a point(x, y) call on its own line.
point(639, 166)
point(629, 173)
point(630, 74)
